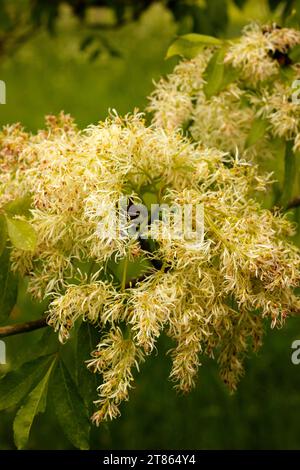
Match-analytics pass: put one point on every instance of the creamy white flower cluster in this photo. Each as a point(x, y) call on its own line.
point(210, 300)
point(262, 88)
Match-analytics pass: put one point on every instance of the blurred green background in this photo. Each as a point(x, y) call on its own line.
point(49, 73)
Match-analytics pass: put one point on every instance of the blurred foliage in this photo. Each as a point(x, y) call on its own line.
point(22, 19)
point(48, 73)
point(262, 414)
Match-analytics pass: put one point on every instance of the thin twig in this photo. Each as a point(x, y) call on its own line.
point(11, 330)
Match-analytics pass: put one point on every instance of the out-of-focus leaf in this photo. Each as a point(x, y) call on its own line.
point(3, 233)
point(69, 408)
point(19, 206)
point(257, 131)
point(192, 44)
point(294, 54)
point(5, 20)
point(18, 383)
point(87, 41)
point(287, 74)
point(21, 234)
point(214, 74)
point(230, 75)
point(203, 39)
point(94, 55)
point(120, 10)
point(8, 286)
point(290, 13)
point(216, 14)
point(35, 403)
point(134, 269)
point(239, 3)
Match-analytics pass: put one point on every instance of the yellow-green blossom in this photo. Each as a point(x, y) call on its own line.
point(261, 87)
point(209, 298)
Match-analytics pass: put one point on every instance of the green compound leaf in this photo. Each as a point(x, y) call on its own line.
point(69, 408)
point(257, 131)
point(21, 234)
point(17, 384)
point(214, 74)
point(191, 45)
point(34, 404)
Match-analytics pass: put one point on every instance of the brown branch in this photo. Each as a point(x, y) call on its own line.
point(11, 330)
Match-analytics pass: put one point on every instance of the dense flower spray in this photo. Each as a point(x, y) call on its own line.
point(256, 103)
point(210, 299)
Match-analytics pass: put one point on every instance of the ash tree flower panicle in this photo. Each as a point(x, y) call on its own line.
point(238, 94)
point(210, 299)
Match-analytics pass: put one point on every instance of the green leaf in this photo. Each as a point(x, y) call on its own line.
point(202, 39)
point(230, 75)
point(47, 344)
point(191, 45)
point(287, 74)
point(87, 339)
point(3, 233)
point(70, 408)
point(257, 131)
point(184, 48)
point(294, 54)
point(8, 286)
point(135, 268)
point(34, 404)
point(21, 234)
point(20, 206)
point(17, 384)
point(214, 74)
point(149, 198)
